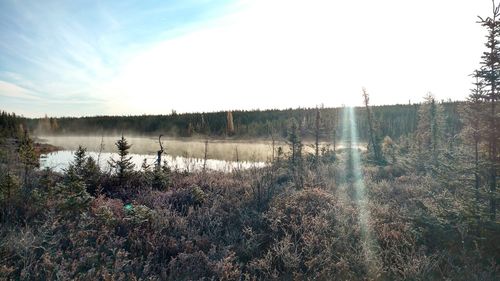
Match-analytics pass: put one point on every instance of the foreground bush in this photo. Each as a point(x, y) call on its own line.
point(247, 225)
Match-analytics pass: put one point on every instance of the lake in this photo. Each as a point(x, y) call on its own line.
point(59, 160)
point(181, 154)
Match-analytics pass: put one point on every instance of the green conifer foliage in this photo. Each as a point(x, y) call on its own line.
point(123, 165)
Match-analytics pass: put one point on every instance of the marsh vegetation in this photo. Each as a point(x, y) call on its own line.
point(401, 192)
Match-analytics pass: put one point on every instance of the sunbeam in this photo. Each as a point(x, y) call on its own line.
point(354, 178)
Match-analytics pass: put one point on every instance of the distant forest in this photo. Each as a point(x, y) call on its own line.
point(391, 120)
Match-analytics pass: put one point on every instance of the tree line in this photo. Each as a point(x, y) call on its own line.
point(393, 121)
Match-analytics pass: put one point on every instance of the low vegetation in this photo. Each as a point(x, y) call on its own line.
point(418, 204)
point(297, 218)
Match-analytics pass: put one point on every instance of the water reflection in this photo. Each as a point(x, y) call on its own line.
point(230, 150)
point(58, 161)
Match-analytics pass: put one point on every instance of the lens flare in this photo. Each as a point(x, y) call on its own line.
point(354, 179)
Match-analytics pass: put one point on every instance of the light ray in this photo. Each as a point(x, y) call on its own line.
point(354, 178)
point(364, 220)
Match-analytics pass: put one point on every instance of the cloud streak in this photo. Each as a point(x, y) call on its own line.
point(63, 49)
point(9, 90)
point(134, 57)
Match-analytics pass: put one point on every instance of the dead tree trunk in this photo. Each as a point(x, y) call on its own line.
point(205, 156)
point(159, 153)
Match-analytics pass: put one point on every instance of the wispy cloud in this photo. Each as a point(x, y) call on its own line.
point(64, 49)
point(126, 57)
point(9, 90)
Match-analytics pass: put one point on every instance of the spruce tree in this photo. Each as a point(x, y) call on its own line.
point(27, 155)
point(80, 159)
point(490, 75)
point(123, 165)
point(429, 133)
point(374, 138)
point(296, 161)
point(472, 113)
point(318, 131)
point(9, 185)
point(74, 172)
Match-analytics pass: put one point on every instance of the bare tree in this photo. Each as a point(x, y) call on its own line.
point(159, 153)
point(230, 124)
point(205, 156)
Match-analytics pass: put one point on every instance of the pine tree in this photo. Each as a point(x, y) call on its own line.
point(27, 155)
point(429, 133)
point(490, 75)
point(9, 189)
point(296, 161)
point(472, 113)
point(74, 172)
point(374, 138)
point(123, 164)
point(334, 129)
point(318, 130)
point(80, 159)
point(83, 169)
point(9, 185)
point(91, 175)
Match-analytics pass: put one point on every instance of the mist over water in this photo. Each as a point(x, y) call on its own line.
point(256, 151)
point(185, 155)
point(188, 154)
point(58, 161)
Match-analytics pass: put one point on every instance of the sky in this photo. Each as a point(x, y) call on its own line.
point(93, 57)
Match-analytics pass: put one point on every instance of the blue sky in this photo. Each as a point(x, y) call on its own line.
point(75, 58)
point(52, 53)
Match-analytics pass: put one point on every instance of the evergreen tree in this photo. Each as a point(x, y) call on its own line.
point(296, 161)
point(9, 185)
point(123, 165)
point(429, 133)
point(84, 169)
point(74, 172)
point(9, 189)
point(374, 137)
point(318, 131)
point(10, 125)
point(161, 177)
point(79, 159)
point(490, 75)
point(27, 155)
point(333, 128)
point(92, 175)
point(472, 113)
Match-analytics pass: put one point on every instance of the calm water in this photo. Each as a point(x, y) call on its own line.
point(253, 151)
point(180, 154)
point(58, 161)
